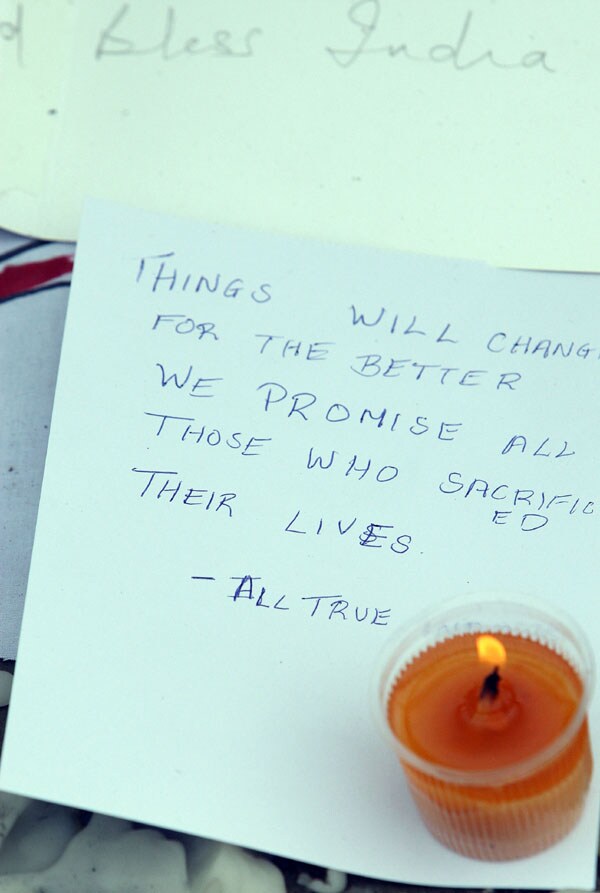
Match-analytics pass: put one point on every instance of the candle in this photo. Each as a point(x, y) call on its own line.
point(485, 705)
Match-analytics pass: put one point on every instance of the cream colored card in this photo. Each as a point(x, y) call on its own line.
point(467, 130)
point(265, 456)
point(35, 42)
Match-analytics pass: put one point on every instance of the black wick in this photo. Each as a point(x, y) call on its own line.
point(489, 689)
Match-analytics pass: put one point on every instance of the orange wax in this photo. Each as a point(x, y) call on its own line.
point(497, 789)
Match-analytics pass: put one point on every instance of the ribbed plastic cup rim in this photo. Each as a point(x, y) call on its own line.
point(391, 665)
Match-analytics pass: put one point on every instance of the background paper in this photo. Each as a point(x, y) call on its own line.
point(462, 129)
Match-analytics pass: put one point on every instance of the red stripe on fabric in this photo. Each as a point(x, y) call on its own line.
point(16, 278)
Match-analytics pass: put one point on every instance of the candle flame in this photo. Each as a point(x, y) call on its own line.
point(490, 650)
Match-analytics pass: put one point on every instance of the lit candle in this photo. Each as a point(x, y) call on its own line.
point(486, 707)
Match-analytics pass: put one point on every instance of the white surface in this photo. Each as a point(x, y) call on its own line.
point(183, 708)
point(477, 140)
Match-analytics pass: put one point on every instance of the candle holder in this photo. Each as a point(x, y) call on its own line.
point(485, 704)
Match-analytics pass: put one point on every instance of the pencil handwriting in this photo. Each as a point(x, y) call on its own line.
point(114, 40)
point(11, 32)
point(462, 52)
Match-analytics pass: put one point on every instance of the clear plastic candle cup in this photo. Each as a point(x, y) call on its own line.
point(485, 703)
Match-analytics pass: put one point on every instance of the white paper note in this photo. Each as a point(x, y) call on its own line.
point(266, 455)
point(462, 129)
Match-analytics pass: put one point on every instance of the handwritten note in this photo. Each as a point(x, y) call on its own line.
point(466, 129)
point(265, 455)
